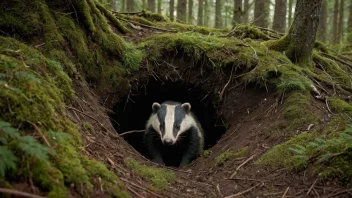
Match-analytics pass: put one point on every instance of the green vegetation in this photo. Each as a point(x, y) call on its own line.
point(159, 177)
point(33, 94)
point(225, 156)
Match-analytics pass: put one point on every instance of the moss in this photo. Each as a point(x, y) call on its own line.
point(242, 152)
point(281, 157)
point(318, 45)
point(223, 157)
point(96, 169)
point(49, 179)
point(160, 178)
point(132, 57)
point(117, 23)
point(181, 27)
point(218, 51)
point(296, 105)
point(336, 71)
point(154, 16)
point(84, 12)
point(340, 106)
point(68, 161)
point(88, 126)
point(247, 31)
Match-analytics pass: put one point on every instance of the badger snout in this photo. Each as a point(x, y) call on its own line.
point(168, 142)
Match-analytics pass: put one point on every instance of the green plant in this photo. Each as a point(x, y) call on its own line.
point(331, 156)
point(12, 141)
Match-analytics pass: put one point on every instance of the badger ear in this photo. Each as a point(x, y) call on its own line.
point(186, 107)
point(155, 107)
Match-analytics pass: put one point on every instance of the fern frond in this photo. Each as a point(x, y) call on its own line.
point(32, 147)
point(7, 160)
point(6, 128)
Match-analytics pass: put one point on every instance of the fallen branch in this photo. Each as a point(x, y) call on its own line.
point(134, 192)
point(147, 26)
point(243, 192)
point(238, 168)
point(127, 13)
point(339, 193)
point(18, 193)
point(91, 117)
point(134, 131)
point(140, 187)
point(312, 186)
point(284, 195)
point(41, 134)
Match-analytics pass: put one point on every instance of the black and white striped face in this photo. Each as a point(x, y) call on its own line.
point(170, 120)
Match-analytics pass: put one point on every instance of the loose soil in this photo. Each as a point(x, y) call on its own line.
point(249, 114)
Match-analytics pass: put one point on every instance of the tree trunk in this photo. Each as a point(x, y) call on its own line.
point(201, 13)
point(181, 10)
point(350, 17)
point(245, 17)
point(206, 12)
point(237, 12)
point(218, 21)
point(123, 6)
point(172, 9)
point(290, 12)
point(261, 10)
point(159, 6)
point(341, 14)
point(279, 23)
point(335, 22)
point(144, 4)
point(130, 5)
point(321, 34)
point(298, 43)
point(190, 11)
point(151, 5)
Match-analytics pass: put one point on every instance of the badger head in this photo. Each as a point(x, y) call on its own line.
point(170, 120)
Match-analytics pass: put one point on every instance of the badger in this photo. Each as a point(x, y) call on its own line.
point(172, 131)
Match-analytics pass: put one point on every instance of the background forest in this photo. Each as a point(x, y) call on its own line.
point(335, 19)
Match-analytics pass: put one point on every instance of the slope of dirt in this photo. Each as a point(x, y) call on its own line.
point(260, 97)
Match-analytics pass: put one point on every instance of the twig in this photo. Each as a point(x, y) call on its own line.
point(218, 189)
point(18, 193)
point(91, 117)
point(312, 186)
point(243, 192)
point(228, 82)
point(327, 105)
point(339, 193)
point(147, 26)
point(134, 192)
point(140, 187)
point(41, 134)
point(127, 13)
point(134, 131)
point(247, 179)
point(284, 195)
point(245, 162)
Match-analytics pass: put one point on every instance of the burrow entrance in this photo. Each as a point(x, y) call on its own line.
point(134, 110)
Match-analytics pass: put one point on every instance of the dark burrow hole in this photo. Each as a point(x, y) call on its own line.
point(133, 112)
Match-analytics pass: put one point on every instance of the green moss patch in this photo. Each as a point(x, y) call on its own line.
point(160, 178)
point(281, 157)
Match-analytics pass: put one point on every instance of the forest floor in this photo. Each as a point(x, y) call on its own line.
point(232, 73)
point(250, 114)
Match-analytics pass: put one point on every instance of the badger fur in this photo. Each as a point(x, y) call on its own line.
point(172, 126)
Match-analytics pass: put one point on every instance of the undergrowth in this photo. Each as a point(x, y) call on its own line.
point(159, 177)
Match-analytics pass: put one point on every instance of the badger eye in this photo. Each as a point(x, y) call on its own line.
point(177, 127)
point(162, 124)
